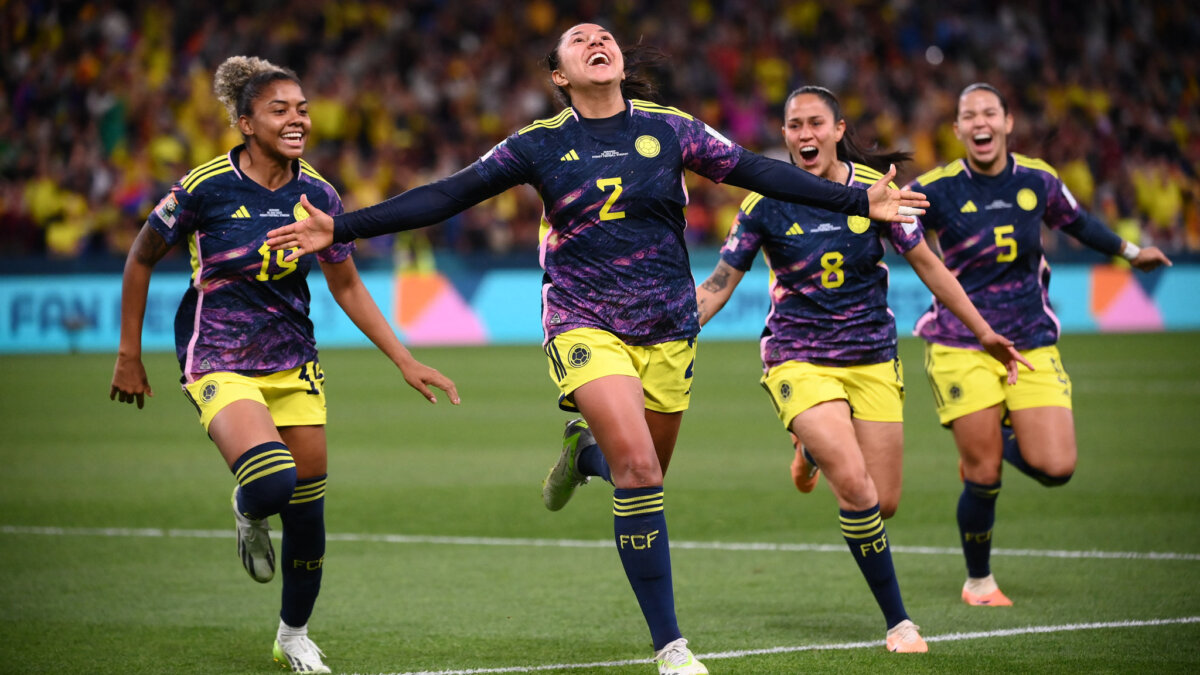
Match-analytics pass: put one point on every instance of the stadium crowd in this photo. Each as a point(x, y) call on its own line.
point(107, 103)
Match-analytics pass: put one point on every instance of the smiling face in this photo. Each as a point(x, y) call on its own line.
point(279, 122)
point(588, 56)
point(983, 127)
point(812, 135)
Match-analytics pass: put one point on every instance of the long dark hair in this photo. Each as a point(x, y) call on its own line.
point(848, 149)
point(640, 59)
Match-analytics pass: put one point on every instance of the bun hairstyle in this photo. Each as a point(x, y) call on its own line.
point(241, 79)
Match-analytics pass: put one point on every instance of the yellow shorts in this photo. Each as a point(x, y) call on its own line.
point(875, 392)
point(295, 397)
point(969, 380)
point(584, 354)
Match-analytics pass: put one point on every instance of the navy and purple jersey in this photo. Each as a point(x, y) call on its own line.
point(828, 280)
point(612, 243)
point(989, 229)
point(245, 309)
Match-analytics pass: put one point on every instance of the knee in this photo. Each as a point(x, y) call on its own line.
point(637, 473)
point(266, 475)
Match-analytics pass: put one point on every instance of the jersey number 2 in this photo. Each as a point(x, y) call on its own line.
point(606, 212)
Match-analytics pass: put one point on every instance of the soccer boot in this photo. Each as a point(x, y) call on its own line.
point(984, 593)
point(564, 476)
point(299, 654)
point(903, 638)
point(254, 544)
point(805, 472)
point(676, 659)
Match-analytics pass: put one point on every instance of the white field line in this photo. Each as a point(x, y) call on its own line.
point(715, 656)
point(591, 543)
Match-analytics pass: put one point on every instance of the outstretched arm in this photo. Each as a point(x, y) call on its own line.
point(780, 180)
point(950, 293)
point(419, 207)
point(1096, 236)
point(712, 295)
point(129, 381)
point(352, 296)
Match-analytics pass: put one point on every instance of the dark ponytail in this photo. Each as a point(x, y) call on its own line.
point(848, 149)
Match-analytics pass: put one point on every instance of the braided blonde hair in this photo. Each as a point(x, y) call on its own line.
point(240, 79)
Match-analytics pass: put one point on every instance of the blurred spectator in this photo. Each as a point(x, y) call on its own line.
point(106, 103)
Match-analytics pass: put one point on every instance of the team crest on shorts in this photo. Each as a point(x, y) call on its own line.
point(785, 390)
point(579, 355)
point(208, 391)
point(955, 392)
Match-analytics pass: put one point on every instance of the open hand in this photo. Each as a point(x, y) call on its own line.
point(314, 233)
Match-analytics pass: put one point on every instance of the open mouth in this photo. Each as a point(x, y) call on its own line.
point(981, 139)
point(599, 59)
point(809, 152)
point(294, 137)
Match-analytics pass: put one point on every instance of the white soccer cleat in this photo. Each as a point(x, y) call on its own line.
point(300, 654)
point(904, 638)
point(676, 659)
point(254, 545)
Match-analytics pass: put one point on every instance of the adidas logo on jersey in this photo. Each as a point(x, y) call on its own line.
point(795, 229)
point(569, 157)
point(969, 207)
point(241, 213)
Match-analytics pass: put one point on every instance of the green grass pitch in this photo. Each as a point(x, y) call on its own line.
point(117, 552)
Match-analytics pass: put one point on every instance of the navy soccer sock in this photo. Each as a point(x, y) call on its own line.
point(591, 462)
point(303, 550)
point(867, 538)
point(976, 515)
point(266, 475)
point(640, 527)
point(1012, 454)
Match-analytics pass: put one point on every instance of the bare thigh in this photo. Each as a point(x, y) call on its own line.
point(614, 408)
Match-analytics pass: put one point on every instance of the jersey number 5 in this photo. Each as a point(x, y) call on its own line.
point(1006, 244)
point(606, 212)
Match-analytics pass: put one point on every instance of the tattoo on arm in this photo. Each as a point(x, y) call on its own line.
point(149, 247)
point(718, 280)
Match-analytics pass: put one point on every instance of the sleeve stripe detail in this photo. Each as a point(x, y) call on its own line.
point(646, 106)
point(750, 202)
point(206, 171)
point(1035, 164)
point(551, 123)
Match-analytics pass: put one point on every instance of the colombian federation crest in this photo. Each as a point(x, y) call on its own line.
point(647, 146)
point(579, 355)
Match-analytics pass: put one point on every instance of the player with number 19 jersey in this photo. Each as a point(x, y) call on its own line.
point(246, 309)
point(989, 229)
point(829, 284)
point(619, 264)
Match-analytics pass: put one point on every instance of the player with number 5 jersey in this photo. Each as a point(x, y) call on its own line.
point(986, 215)
point(618, 298)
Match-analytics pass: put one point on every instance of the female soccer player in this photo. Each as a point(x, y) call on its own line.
point(618, 302)
point(243, 337)
point(987, 215)
point(829, 348)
